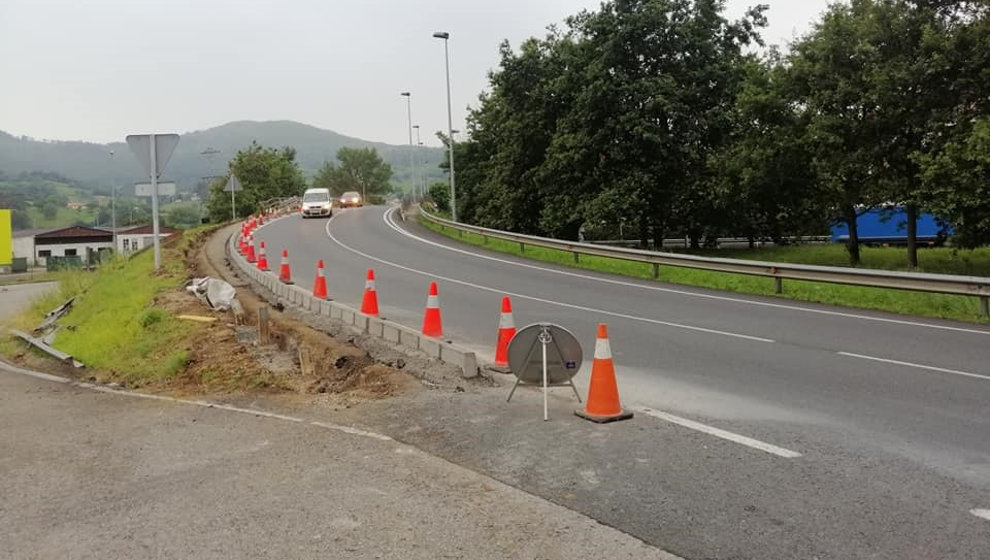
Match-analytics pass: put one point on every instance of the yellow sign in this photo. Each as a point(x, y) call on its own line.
point(6, 239)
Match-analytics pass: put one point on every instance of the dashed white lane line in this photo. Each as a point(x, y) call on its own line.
point(914, 365)
point(684, 292)
point(981, 513)
point(541, 300)
point(720, 433)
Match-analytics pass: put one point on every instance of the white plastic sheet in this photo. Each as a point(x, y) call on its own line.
point(215, 293)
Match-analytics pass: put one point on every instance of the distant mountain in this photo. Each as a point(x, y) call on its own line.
point(90, 163)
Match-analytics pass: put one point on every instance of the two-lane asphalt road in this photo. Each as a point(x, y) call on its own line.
point(796, 377)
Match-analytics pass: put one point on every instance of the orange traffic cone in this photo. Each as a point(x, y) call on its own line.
point(250, 249)
point(431, 319)
point(369, 305)
point(240, 241)
point(320, 286)
point(262, 258)
point(603, 393)
point(506, 330)
point(284, 274)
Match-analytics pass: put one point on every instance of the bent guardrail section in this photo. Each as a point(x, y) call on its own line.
point(975, 286)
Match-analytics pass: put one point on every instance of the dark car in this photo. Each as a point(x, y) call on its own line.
point(351, 198)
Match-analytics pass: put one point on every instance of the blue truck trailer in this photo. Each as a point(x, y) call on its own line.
point(888, 225)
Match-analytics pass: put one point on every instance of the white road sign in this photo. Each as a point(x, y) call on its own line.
point(233, 185)
point(164, 146)
point(145, 189)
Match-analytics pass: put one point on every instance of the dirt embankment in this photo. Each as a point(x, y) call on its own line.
point(298, 358)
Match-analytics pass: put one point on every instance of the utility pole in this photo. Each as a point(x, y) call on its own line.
point(113, 201)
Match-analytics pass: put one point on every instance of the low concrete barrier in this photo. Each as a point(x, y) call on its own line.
point(394, 333)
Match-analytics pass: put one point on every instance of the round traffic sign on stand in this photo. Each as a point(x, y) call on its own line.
point(547, 355)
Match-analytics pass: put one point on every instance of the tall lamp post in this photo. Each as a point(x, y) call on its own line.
point(113, 201)
point(420, 181)
point(412, 166)
point(450, 125)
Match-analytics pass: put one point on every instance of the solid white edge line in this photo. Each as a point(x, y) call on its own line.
point(696, 294)
point(981, 513)
point(540, 300)
point(203, 404)
point(919, 366)
point(720, 433)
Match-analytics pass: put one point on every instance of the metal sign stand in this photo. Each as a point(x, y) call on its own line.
point(233, 185)
point(153, 152)
point(557, 374)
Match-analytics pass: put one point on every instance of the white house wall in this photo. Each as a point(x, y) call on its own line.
point(58, 250)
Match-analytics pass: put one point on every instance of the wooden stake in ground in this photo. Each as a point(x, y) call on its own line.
point(263, 329)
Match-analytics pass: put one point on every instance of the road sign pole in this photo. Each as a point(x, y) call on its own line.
point(233, 206)
point(545, 339)
point(154, 202)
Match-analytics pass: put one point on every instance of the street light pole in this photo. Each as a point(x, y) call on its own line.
point(113, 201)
point(412, 166)
point(419, 183)
point(450, 124)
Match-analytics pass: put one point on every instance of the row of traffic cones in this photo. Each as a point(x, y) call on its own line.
point(602, 405)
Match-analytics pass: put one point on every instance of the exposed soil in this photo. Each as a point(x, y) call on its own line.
point(298, 358)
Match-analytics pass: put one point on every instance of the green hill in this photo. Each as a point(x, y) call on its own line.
point(89, 163)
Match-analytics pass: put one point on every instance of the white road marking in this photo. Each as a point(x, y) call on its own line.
point(685, 292)
point(981, 513)
point(204, 404)
point(720, 433)
point(541, 300)
point(910, 364)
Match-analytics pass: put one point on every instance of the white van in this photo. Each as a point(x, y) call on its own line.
point(317, 202)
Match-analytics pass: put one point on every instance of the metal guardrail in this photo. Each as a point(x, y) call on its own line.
point(975, 286)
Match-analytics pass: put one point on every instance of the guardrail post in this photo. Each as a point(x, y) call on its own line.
point(460, 233)
point(522, 247)
point(985, 306)
point(656, 270)
point(778, 285)
point(576, 257)
point(485, 238)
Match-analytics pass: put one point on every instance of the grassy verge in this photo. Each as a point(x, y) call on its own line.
point(939, 260)
point(897, 301)
point(114, 326)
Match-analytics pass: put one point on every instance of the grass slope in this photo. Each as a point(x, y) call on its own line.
point(112, 326)
point(897, 301)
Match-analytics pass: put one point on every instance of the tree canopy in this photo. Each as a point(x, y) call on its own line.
point(659, 115)
point(264, 173)
point(360, 169)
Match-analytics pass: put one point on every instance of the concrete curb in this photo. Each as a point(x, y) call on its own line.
point(392, 333)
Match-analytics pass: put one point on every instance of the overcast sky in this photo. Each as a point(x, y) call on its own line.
point(98, 70)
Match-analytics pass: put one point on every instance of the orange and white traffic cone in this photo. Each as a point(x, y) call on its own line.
point(506, 330)
point(250, 249)
point(603, 393)
point(262, 258)
point(241, 239)
point(432, 325)
point(284, 274)
point(369, 304)
point(320, 286)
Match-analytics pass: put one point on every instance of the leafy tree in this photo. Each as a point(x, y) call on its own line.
point(440, 194)
point(19, 219)
point(763, 187)
point(182, 215)
point(49, 210)
point(360, 169)
point(264, 173)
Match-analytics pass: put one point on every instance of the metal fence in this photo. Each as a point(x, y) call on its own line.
point(975, 286)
